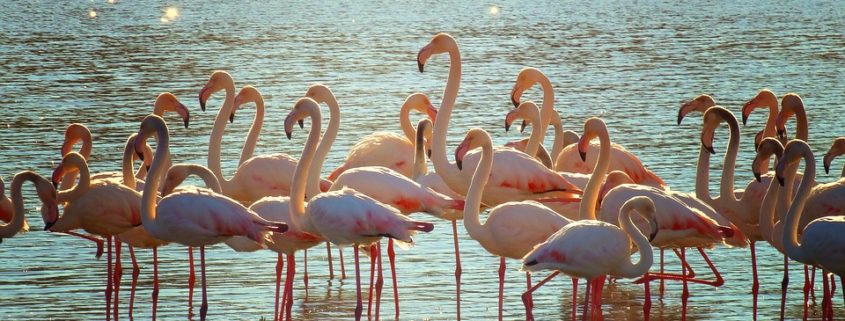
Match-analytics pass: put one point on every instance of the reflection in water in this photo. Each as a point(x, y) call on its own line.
point(630, 63)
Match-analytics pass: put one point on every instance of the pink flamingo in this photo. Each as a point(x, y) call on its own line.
point(343, 217)
point(792, 105)
point(195, 217)
point(14, 213)
point(532, 146)
point(512, 229)
point(258, 176)
point(836, 149)
point(765, 98)
point(527, 78)
point(593, 249)
point(522, 176)
point(823, 238)
point(386, 148)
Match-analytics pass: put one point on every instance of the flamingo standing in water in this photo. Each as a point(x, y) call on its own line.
point(343, 217)
point(522, 177)
point(593, 249)
point(823, 239)
point(512, 229)
point(13, 210)
point(195, 217)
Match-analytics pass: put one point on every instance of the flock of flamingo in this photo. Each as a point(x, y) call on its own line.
point(581, 209)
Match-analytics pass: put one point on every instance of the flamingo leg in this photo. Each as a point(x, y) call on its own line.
point(528, 287)
point(662, 288)
point(379, 279)
point(685, 292)
point(329, 254)
point(501, 285)
point(574, 298)
point(92, 238)
point(135, 272)
point(716, 282)
point(192, 280)
point(372, 279)
point(830, 297)
point(278, 286)
point(783, 285)
point(812, 286)
point(289, 286)
point(391, 255)
point(358, 305)
point(342, 266)
point(204, 306)
point(118, 274)
point(108, 278)
point(155, 281)
point(825, 295)
point(305, 271)
point(586, 300)
point(755, 285)
point(597, 312)
point(647, 299)
point(808, 283)
point(285, 298)
point(526, 297)
point(458, 270)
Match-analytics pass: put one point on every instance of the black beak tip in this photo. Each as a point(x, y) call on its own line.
point(652, 236)
point(231, 118)
point(680, 117)
point(583, 156)
point(420, 65)
point(781, 134)
point(710, 149)
point(522, 127)
point(827, 168)
point(49, 225)
point(301, 123)
point(460, 165)
point(507, 126)
point(428, 153)
point(514, 101)
point(186, 122)
point(758, 177)
point(780, 180)
point(56, 185)
point(744, 120)
point(288, 134)
point(202, 105)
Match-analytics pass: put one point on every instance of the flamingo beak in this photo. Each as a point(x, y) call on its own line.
point(205, 92)
point(827, 160)
point(462, 149)
point(685, 108)
point(780, 180)
point(431, 111)
point(746, 110)
point(48, 225)
point(184, 113)
point(516, 94)
point(654, 228)
point(522, 127)
point(232, 117)
point(757, 176)
point(423, 55)
point(57, 176)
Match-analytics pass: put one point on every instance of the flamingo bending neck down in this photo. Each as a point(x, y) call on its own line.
point(823, 238)
point(343, 217)
point(512, 229)
point(525, 178)
point(526, 79)
point(183, 217)
point(836, 149)
point(792, 105)
point(13, 208)
point(534, 145)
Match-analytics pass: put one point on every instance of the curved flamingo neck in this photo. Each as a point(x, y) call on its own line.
point(587, 210)
point(726, 186)
point(772, 103)
point(405, 122)
point(17, 221)
point(87, 146)
point(420, 164)
point(472, 206)
point(538, 132)
point(448, 171)
point(157, 169)
point(313, 182)
point(642, 266)
point(207, 177)
point(127, 167)
point(297, 193)
point(254, 130)
point(790, 236)
point(558, 143)
point(767, 210)
point(702, 176)
point(801, 128)
point(216, 139)
point(84, 180)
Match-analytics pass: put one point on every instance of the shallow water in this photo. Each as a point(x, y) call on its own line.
point(631, 63)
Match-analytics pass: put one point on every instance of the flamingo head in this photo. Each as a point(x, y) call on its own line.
point(424, 133)
point(764, 98)
point(712, 118)
point(304, 107)
point(421, 103)
point(149, 126)
point(440, 43)
point(167, 102)
point(175, 176)
point(645, 207)
point(838, 148)
point(72, 162)
point(700, 103)
point(526, 79)
point(593, 127)
point(792, 152)
point(768, 147)
point(219, 80)
point(790, 105)
point(526, 110)
point(474, 138)
point(248, 94)
point(613, 179)
point(49, 202)
point(74, 134)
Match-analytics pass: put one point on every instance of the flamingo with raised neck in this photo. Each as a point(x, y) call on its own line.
point(14, 208)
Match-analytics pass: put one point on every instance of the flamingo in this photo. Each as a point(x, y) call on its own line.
point(836, 149)
point(195, 217)
point(764, 98)
point(594, 249)
point(823, 238)
point(13, 209)
point(792, 105)
point(258, 176)
point(343, 217)
point(525, 79)
point(704, 101)
point(389, 149)
point(562, 138)
point(512, 229)
point(104, 208)
point(522, 177)
point(533, 146)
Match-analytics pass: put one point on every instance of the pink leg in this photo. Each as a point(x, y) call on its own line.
point(597, 314)
point(526, 297)
point(783, 285)
point(807, 285)
point(647, 301)
point(391, 255)
point(716, 282)
point(458, 268)
point(586, 300)
point(155, 281)
point(204, 306)
point(812, 287)
point(305, 271)
point(574, 298)
point(329, 254)
point(92, 238)
point(685, 293)
point(755, 285)
point(118, 273)
point(825, 295)
point(358, 305)
point(278, 286)
point(528, 287)
point(109, 276)
point(830, 297)
point(342, 266)
point(192, 280)
point(135, 272)
point(501, 285)
point(285, 298)
point(289, 286)
point(372, 279)
point(379, 280)
point(662, 287)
